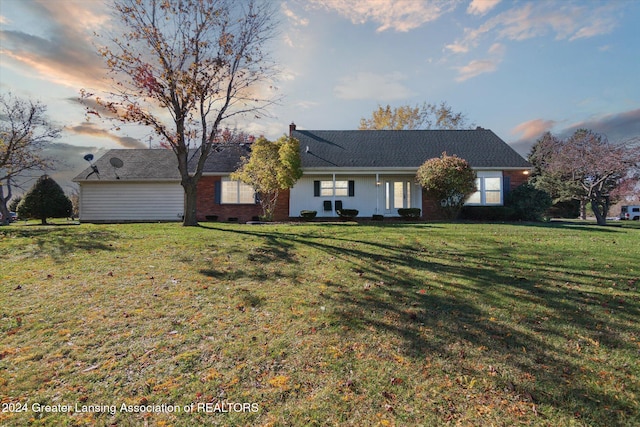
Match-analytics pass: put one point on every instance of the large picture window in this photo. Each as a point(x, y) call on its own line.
point(489, 185)
point(236, 192)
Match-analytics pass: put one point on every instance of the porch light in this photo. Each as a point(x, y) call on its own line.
point(525, 172)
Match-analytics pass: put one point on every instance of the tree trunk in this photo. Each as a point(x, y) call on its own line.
point(190, 203)
point(3, 206)
point(600, 218)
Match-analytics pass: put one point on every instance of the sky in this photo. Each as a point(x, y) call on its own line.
point(519, 68)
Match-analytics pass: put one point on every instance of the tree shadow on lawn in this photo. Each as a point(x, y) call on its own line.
point(404, 290)
point(60, 241)
point(271, 251)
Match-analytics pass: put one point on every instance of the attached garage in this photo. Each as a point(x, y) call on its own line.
point(131, 186)
point(131, 201)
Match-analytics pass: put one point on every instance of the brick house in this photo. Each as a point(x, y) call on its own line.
point(371, 171)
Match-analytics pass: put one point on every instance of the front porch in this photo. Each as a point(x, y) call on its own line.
point(370, 194)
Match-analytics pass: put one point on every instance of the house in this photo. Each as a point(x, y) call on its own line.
point(374, 171)
point(371, 171)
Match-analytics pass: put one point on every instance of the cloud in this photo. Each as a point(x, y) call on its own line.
point(533, 129)
point(398, 15)
point(480, 7)
point(367, 85)
point(92, 130)
point(475, 68)
point(618, 128)
point(67, 161)
point(566, 20)
point(63, 52)
point(482, 66)
point(293, 18)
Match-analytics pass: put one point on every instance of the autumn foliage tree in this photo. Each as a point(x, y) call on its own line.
point(585, 166)
point(24, 131)
point(272, 167)
point(448, 179)
point(182, 67)
point(406, 117)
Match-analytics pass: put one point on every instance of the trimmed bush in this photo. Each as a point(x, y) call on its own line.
point(308, 214)
point(347, 213)
point(377, 217)
point(528, 203)
point(412, 213)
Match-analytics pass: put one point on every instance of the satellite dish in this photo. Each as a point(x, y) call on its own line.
point(88, 157)
point(116, 162)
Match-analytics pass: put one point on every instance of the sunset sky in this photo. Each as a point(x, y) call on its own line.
point(517, 67)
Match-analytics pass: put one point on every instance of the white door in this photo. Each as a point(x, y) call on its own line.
point(397, 195)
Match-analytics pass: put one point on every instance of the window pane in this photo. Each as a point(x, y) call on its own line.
point(474, 198)
point(387, 195)
point(492, 184)
point(398, 196)
point(229, 190)
point(247, 194)
point(492, 197)
point(342, 188)
point(326, 188)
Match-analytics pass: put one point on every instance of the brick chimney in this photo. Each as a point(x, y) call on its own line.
point(292, 127)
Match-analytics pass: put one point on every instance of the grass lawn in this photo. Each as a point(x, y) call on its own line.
point(320, 324)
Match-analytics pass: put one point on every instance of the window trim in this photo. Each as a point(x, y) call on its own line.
point(238, 185)
point(482, 191)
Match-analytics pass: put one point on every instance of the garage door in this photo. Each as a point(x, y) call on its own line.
point(122, 202)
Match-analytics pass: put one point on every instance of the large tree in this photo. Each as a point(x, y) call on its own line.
point(184, 66)
point(45, 199)
point(585, 166)
point(406, 117)
point(24, 131)
point(449, 180)
point(272, 167)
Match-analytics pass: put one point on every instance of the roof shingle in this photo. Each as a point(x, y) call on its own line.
point(403, 149)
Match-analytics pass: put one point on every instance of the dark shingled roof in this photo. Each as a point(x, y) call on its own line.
point(403, 148)
point(159, 164)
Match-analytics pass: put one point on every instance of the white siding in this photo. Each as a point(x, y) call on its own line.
point(131, 201)
point(368, 198)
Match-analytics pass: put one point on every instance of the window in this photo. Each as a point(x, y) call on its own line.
point(489, 189)
point(236, 192)
point(327, 188)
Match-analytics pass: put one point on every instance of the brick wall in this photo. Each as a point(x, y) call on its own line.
point(207, 204)
point(282, 207)
point(517, 178)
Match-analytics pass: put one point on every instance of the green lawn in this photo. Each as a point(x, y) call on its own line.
point(320, 324)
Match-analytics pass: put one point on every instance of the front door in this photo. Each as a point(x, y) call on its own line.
point(397, 196)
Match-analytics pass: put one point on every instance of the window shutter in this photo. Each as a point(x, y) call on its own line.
point(352, 188)
point(506, 186)
point(216, 192)
point(316, 188)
